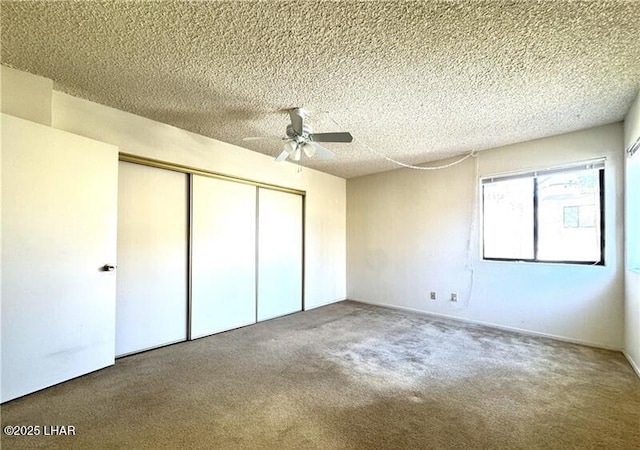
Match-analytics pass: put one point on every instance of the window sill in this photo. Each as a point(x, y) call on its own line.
point(546, 263)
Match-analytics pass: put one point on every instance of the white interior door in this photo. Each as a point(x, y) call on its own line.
point(59, 219)
point(279, 253)
point(151, 300)
point(223, 255)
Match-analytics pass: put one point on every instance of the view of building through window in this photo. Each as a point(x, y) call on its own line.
point(577, 191)
point(552, 217)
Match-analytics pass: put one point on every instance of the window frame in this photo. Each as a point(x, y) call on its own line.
point(596, 165)
point(632, 214)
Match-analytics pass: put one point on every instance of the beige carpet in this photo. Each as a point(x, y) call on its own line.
point(345, 376)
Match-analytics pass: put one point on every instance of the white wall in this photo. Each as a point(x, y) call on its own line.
point(325, 230)
point(632, 274)
point(408, 232)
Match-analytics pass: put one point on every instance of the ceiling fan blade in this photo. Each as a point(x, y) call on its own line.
point(297, 116)
point(323, 153)
point(331, 137)
point(282, 156)
point(263, 138)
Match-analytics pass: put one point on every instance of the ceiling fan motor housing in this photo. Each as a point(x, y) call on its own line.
point(306, 131)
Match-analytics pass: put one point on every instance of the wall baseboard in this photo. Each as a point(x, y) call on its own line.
point(634, 365)
point(318, 305)
point(493, 325)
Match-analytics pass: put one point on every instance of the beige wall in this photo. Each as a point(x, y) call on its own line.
point(325, 201)
point(632, 123)
point(408, 234)
point(632, 274)
point(25, 95)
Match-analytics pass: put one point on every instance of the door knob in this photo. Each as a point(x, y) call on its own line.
point(108, 268)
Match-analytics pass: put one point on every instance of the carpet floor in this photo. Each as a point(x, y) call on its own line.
point(346, 376)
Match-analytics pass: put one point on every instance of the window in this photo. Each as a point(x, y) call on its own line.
point(552, 215)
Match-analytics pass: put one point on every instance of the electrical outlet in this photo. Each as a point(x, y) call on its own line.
point(454, 297)
point(433, 295)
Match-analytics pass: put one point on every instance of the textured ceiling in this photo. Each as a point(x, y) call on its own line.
point(417, 81)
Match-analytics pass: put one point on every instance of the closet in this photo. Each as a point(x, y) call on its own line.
point(152, 277)
point(223, 255)
point(279, 253)
point(200, 254)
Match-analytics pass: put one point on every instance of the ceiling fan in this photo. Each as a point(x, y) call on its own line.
point(300, 138)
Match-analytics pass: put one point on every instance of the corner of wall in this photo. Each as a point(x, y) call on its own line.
point(632, 123)
point(634, 365)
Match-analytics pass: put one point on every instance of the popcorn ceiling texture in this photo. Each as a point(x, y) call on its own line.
point(417, 81)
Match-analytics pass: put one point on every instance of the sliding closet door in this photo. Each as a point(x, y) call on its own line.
point(59, 206)
point(151, 305)
point(223, 243)
point(279, 253)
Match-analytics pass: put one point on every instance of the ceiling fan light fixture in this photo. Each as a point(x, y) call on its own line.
point(289, 147)
point(296, 154)
point(309, 150)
